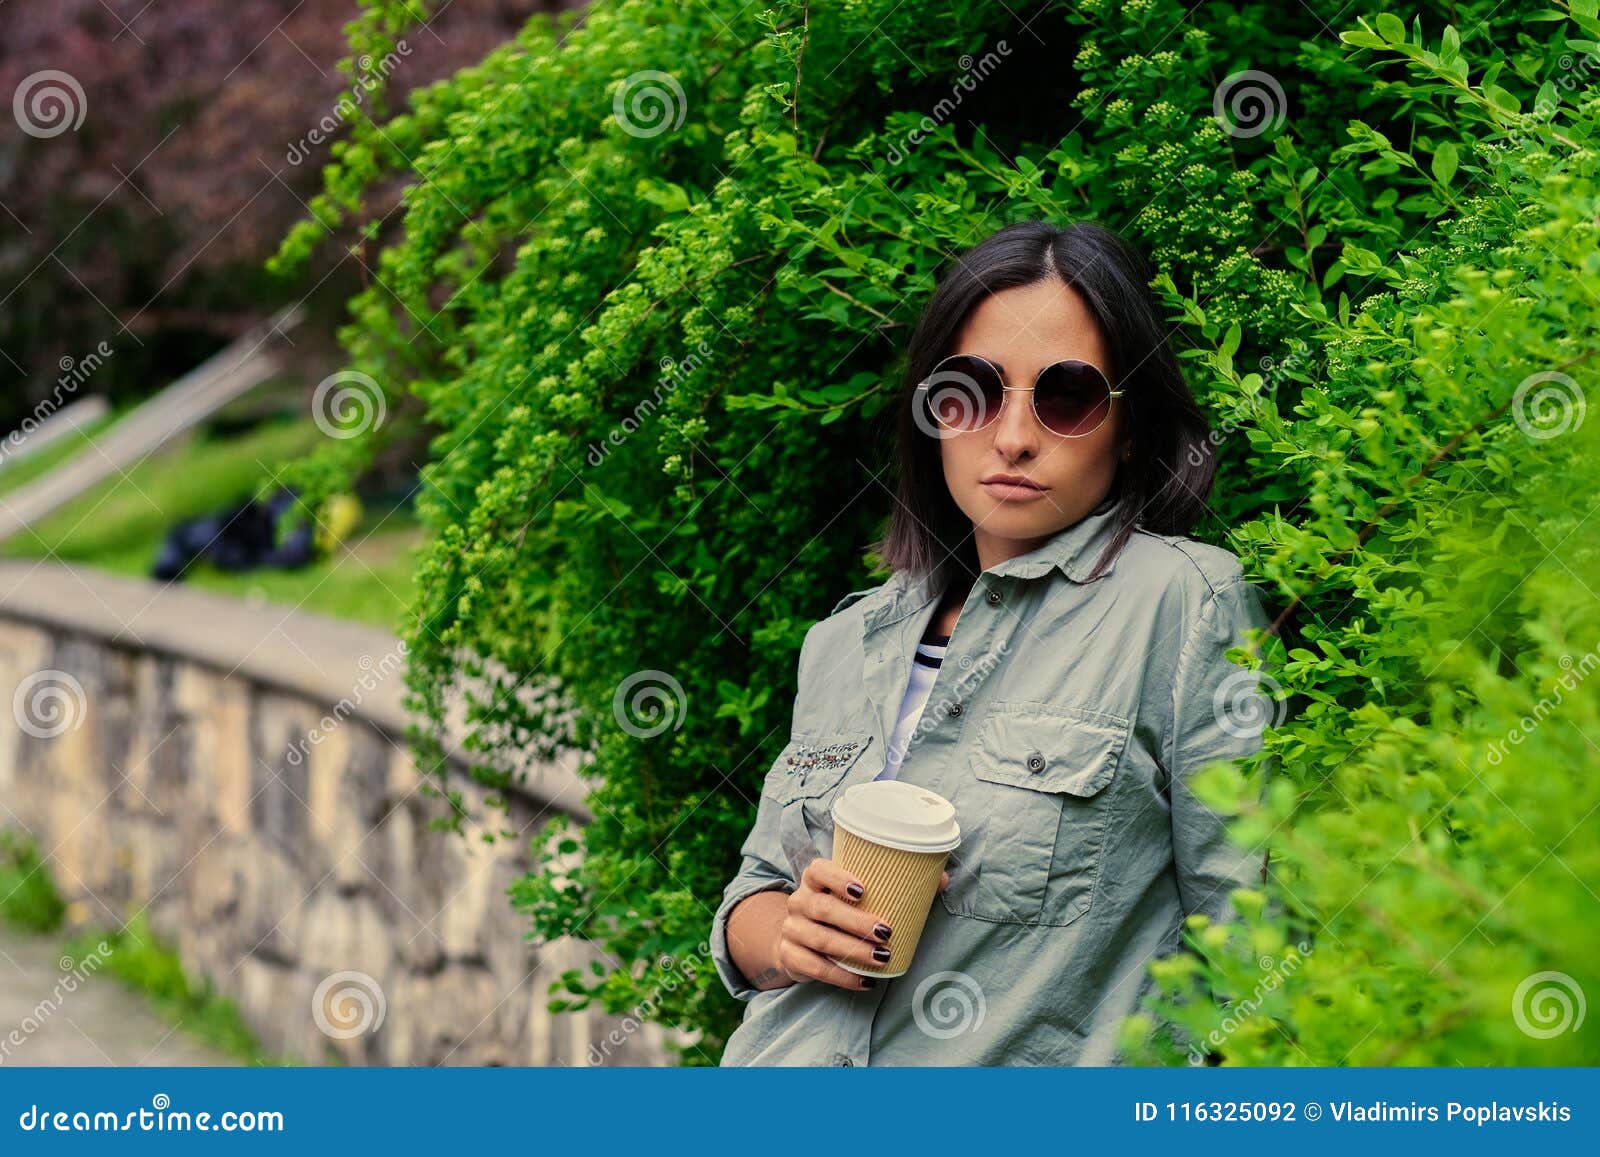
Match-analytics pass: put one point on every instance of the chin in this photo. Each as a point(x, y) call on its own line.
point(1007, 520)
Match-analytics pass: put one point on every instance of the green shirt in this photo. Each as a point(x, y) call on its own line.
point(1063, 725)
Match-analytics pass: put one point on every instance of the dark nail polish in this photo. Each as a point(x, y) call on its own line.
point(854, 890)
point(881, 931)
point(869, 982)
point(880, 954)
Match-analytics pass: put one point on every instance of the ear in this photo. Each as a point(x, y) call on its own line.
point(1125, 437)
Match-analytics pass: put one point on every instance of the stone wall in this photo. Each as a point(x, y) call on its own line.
point(186, 757)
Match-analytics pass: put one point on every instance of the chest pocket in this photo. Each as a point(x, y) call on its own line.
point(807, 776)
point(1034, 811)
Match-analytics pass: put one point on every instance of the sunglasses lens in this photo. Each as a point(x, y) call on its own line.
point(1072, 398)
point(965, 393)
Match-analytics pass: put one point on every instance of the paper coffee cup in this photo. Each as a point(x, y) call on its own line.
point(894, 837)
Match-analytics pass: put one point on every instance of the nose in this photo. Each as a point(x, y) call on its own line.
point(1016, 431)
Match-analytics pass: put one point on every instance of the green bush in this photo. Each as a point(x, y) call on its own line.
point(660, 339)
point(30, 901)
point(28, 896)
point(136, 957)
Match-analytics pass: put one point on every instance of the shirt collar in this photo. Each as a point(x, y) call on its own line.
point(1072, 550)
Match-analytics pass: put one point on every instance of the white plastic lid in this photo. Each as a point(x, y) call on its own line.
point(899, 815)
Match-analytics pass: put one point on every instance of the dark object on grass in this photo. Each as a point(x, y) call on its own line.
point(238, 538)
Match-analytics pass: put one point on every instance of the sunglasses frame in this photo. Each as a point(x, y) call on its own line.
point(1111, 394)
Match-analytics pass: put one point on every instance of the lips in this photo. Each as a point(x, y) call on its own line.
point(1011, 480)
point(1012, 488)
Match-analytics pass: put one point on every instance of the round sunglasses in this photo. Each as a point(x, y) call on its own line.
point(965, 392)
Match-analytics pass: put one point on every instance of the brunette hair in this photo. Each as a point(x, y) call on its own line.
point(1162, 487)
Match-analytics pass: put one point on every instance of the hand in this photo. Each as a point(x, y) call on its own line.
point(822, 920)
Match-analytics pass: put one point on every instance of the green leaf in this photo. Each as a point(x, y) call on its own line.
point(671, 198)
point(1391, 28)
point(1501, 99)
point(1450, 48)
point(1444, 163)
point(1360, 38)
point(1230, 341)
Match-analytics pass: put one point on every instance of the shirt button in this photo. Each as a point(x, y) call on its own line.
point(994, 598)
point(955, 709)
point(1035, 762)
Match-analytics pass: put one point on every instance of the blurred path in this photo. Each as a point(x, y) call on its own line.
point(98, 1023)
point(214, 383)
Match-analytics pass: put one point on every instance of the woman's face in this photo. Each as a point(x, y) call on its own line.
point(1023, 330)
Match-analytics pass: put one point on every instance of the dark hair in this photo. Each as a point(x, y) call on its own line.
point(1168, 476)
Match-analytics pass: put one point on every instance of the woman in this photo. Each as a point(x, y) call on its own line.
point(1049, 655)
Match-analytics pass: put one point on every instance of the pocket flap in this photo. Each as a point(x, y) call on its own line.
point(1047, 747)
point(810, 765)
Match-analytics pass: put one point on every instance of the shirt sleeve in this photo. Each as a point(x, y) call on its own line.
point(1220, 712)
point(762, 866)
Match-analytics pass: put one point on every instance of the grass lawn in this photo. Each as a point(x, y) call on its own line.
point(119, 525)
point(368, 579)
point(18, 472)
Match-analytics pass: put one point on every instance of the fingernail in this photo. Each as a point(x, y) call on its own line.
point(854, 889)
point(880, 954)
point(869, 982)
point(881, 931)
